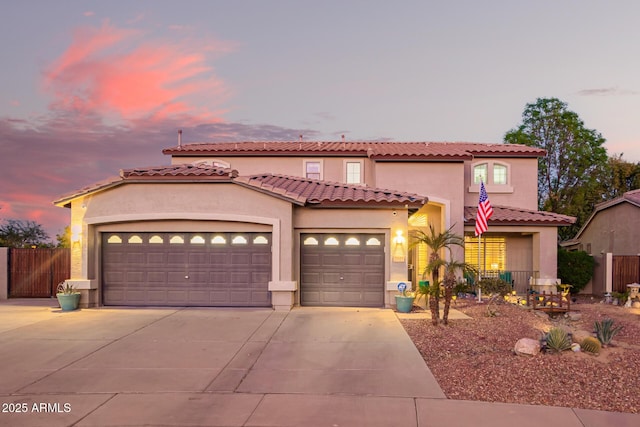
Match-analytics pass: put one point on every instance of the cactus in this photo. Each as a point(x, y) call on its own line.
point(605, 331)
point(558, 340)
point(591, 345)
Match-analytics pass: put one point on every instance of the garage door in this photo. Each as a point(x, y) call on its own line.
point(342, 270)
point(186, 269)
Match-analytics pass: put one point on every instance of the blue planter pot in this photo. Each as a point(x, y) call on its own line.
point(68, 302)
point(404, 304)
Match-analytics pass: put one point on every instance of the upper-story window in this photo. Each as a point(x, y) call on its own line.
point(313, 169)
point(213, 162)
point(491, 173)
point(480, 173)
point(499, 174)
point(495, 175)
point(353, 172)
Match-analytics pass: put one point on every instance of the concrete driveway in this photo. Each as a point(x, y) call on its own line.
point(231, 367)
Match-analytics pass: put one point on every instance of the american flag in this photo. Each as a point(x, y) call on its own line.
point(484, 211)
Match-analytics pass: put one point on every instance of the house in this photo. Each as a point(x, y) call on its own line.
point(311, 223)
point(612, 235)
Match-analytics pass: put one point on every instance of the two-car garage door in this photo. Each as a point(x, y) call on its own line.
point(186, 269)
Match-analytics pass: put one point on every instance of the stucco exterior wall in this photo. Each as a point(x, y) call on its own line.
point(520, 191)
point(615, 229)
point(519, 252)
point(387, 221)
point(333, 168)
point(188, 207)
point(441, 182)
point(544, 241)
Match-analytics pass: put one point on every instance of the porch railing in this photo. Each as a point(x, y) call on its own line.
point(519, 279)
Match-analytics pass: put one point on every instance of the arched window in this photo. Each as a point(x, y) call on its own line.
point(480, 173)
point(499, 174)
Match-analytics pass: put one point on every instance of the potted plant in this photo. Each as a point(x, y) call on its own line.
point(68, 298)
point(404, 301)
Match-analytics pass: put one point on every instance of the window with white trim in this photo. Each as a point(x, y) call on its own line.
point(480, 173)
point(499, 174)
point(494, 174)
point(353, 172)
point(313, 169)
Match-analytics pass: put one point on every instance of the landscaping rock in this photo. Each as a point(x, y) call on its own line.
point(574, 316)
point(636, 304)
point(541, 314)
point(527, 347)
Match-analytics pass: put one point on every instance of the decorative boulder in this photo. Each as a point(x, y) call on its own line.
point(527, 347)
point(636, 304)
point(573, 316)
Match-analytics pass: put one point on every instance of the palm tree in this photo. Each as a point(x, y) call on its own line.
point(449, 282)
point(437, 242)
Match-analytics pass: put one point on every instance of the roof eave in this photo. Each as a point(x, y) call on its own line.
point(365, 204)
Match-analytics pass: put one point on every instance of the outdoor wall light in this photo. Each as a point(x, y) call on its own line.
point(398, 247)
point(76, 231)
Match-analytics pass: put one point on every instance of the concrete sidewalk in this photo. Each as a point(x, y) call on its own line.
point(233, 367)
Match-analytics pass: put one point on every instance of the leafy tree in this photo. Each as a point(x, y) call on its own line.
point(620, 176)
point(575, 268)
point(64, 239)
point(437, 242)
point(16, 233)
point(568, 174)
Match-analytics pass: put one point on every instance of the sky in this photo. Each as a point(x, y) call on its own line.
point(90, 87)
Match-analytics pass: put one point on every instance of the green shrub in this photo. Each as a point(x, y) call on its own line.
point(461, 288)
point(494, 286)
point(591, 345)
point(575, 268)
point(622, 297)
point(558, 340)
point(605, 331)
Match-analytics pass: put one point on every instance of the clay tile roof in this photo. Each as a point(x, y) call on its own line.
point(323, 193)
point(179, 171)
point(503, 215)
point(157, 173)
point(375, 150)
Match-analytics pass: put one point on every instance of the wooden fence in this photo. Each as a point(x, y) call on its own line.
point(37, 272)
point(626, 270)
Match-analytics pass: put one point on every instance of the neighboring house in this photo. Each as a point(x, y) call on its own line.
point(612, 231)
point(310, 223)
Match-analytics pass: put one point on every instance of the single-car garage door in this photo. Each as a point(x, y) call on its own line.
point(186, 269)
point(342, 270)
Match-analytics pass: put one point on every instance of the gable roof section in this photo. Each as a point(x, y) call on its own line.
point(632, 197)
point(303, 192)
point(405, 151)
point(503, 215)
point(172, 173)
point(310, 192)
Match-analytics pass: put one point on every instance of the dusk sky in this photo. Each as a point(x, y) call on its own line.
point(90, 87)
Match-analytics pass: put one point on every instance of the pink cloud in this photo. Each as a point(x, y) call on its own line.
point(116, 73)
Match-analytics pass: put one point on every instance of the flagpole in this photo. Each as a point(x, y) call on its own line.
point(479, 268)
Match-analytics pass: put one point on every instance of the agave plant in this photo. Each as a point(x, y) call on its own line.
point(605, 331)
point(558, 340)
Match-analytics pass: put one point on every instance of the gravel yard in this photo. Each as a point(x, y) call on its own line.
point(474, 359)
